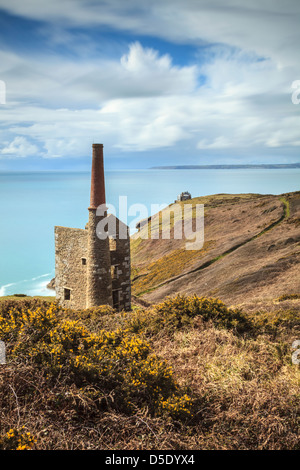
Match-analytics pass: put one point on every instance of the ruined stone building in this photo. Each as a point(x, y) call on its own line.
point(92, 265)
point(184, 196)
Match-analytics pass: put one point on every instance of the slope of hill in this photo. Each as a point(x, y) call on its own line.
point(251, 251)
point(186, 374)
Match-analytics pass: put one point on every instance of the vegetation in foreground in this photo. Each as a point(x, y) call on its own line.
point(188, 373)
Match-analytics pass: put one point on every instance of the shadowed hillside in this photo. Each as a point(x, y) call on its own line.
point(251, 252)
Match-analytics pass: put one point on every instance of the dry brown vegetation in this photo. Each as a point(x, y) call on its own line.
point(251, 250)
point(183, 369)
point(233, 363)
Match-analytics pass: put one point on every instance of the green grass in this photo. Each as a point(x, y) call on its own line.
point(286, 206)
point(166, 267)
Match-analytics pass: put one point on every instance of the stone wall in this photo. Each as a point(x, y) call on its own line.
point(120, 261)
point(121, 267)
point(70, 267)
point(93, 271)
point(99, 284)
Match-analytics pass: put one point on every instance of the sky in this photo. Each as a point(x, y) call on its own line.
point(158, 82)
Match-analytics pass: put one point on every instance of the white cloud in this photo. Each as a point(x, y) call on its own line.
point(144, 60)
point(246, 105)
point(151, 74)
point(141, 100)
point(219, 143)
point(266, 27)
point(61, 82)
point(138, 119)
point(19, 147)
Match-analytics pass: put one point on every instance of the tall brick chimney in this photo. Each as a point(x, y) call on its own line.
point(99, 282)
point(97, 177)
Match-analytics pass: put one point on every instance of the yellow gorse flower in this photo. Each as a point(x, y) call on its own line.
point(118, 363)
point(16, 439)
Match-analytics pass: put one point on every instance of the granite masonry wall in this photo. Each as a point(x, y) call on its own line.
point(89, 271)
point(121, 271)
point(71, 266)
point(99, 283)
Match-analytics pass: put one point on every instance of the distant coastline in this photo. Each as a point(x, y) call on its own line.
point(270, 166)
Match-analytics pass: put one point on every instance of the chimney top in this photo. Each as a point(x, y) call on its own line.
point(97, 178)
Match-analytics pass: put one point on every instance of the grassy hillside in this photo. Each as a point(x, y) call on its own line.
point(251, 251)
point(187, 373)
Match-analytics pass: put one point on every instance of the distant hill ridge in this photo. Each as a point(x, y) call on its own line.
point(271, 166)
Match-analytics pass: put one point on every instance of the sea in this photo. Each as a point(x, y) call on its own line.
point(32, 203)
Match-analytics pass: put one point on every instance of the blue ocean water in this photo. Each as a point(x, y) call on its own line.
point(32, 203)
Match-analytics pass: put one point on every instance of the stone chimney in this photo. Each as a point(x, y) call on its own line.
point(99, 282)
point(97, 178)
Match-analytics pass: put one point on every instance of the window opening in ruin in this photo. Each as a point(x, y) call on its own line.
point(67, 294)
point(112, 244)
point(114, 271)
point(116, 298)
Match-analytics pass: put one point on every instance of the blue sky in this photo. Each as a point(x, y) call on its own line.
point(158, 82)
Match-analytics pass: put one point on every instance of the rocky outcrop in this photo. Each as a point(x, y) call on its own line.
point(51, 284)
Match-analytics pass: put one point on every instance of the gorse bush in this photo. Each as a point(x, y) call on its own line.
point(19, 322)
point(288, 297)
point(279, 323)
point(186, 373)
point(17, 439)
point(119, 366)
point(175, 313)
